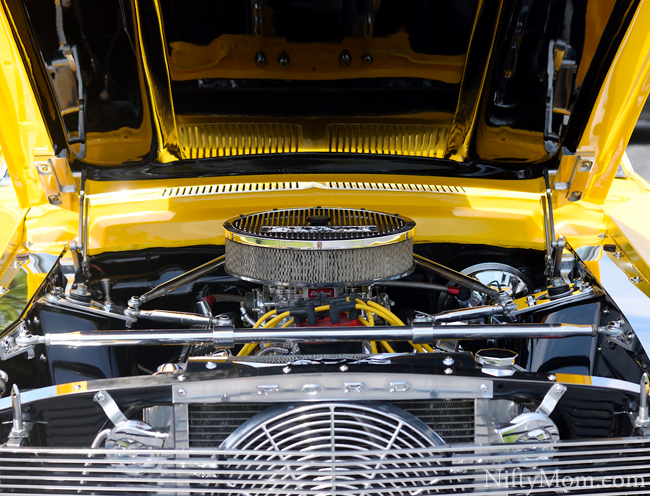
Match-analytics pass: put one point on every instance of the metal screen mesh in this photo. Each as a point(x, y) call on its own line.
point(277, 265)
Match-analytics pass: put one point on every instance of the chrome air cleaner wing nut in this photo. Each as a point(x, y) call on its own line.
point(319, 246)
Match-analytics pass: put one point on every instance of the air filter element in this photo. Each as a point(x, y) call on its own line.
point(319, 246)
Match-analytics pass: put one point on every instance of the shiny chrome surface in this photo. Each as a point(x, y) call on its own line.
point(457, 277)
point(601, 466)
point(506, 278)
point(319, 228)
point(319, 246)
point(643, 420)
point(496, 357)
point(551, 399)
point(323, 430)
point(227, 337)
point(182, 280)
point(332, 387)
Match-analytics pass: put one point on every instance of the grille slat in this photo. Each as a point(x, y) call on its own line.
point(388, 472)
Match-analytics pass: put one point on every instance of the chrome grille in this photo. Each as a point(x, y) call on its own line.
point(604, 467)
point(210, 424)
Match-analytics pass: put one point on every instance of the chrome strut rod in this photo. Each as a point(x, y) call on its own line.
point(177, 282)
point(228, 336)
point(452, 275)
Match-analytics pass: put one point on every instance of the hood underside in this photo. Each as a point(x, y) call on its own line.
point(149, 81)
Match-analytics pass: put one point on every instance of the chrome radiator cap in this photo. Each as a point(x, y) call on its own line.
point(319, 246)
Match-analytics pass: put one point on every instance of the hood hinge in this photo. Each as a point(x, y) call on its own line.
point(57, 180)
point(573, 175)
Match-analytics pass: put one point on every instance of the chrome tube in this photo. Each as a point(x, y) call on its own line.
point(180, 318)
point(414, 285)
point(471, 313)
point(227, 337)
point(452, 275)
point(183, 279)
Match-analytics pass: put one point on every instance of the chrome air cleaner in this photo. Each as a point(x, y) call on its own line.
point(319, 246)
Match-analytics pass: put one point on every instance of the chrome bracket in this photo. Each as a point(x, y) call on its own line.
point(618, 333)
point(551, 399)
point(57, 181)
point(11, 346)
point(109, 406)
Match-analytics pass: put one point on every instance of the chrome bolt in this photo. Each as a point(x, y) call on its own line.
point(286, 369)
point(484, 388)
point(448, 371)
point(618, 254)
point(635, 279)
point(559, 389)
point(343, 368)
point(366, 58)
point(283, 59)
point(181, 392)
point(76, 387)
point(345, 58)
point(585, 166)
point(602, 235)
point(181, 378)
point(36, 321)
point(100, 396)
point(28, 244)
point(6, 345)
point(448, 361)
point(210, 365)
point(551, 377)
point(43, 358)
point(260, 59)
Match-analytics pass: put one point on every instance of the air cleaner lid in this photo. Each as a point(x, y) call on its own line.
point(319, 228)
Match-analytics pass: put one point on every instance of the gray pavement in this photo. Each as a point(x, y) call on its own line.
point(639, 155)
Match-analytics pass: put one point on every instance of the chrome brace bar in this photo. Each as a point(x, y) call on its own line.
point(228, 336)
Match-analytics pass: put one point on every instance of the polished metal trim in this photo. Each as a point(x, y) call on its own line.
point(330, 387)
point(257, 229)
point(598, 463)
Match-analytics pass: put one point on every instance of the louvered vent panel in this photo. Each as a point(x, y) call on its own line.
point(225, 140)
point(220, 189)
point(415, 141)
point(427, 188)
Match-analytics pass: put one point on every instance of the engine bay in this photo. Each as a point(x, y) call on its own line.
point(315, 289)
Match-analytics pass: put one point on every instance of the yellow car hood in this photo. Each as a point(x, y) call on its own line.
point(475, 88)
